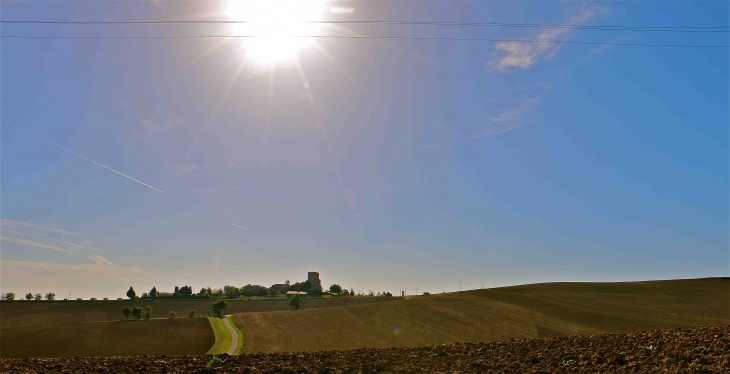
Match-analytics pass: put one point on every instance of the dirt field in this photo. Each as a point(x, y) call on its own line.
point(698, 350)
point(520, 312)
point(180, 336)
point(17, 313)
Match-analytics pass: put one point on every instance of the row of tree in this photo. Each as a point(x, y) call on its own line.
point(29, 296)
point(138, 312)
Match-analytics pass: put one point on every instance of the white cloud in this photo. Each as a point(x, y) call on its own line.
point(524, 55)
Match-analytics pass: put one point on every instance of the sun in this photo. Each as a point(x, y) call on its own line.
point(278, 29)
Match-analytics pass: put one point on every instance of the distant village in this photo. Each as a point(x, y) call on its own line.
point(311, 287)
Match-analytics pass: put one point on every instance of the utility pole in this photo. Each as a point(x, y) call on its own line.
point(459, 286)
point(416, 290)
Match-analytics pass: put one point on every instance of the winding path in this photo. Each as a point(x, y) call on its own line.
point(234, 336)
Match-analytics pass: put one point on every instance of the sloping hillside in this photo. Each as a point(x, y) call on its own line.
point(19, 312)
point(528, 311)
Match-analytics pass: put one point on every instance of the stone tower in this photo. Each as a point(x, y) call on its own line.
point(313, 278)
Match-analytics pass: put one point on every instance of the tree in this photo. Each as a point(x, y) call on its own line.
point(219, 305)
point(148, 312)
point(50, 296)
point(336, 288)
point(345, 292)
point(172, 314)
point(296, 302)
point(29, 296)
point(9, 296)
point(153, 293)
point(144, 296)
point(208, 312)
point(131, 294)
point(137, 312)
point(192, 314)
point(127, 311)
point(38, 297)
point(352, 292)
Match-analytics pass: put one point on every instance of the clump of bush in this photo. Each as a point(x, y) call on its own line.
point(216, 361)
point(172, 314)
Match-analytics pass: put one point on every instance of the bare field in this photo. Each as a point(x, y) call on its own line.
point(529, 311)
point(130, 338)
point(18, 313)
point(696, 350)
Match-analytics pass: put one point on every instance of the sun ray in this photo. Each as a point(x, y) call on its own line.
point(200, 56)
point(222, 99)
point(270, 101)
point(337, 64)
point(310, 97)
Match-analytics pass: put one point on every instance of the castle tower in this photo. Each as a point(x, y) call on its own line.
point(313, 278)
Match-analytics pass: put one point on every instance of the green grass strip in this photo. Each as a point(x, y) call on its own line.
point(222, 336)
point(239, 330)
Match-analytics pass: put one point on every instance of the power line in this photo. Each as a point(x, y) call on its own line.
point(363, 37)
point(685, 29)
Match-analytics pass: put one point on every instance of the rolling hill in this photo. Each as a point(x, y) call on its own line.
point(529, 311)
point(20, 312)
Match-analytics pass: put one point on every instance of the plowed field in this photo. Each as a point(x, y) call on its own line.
point(698, 350)
point(130, 338)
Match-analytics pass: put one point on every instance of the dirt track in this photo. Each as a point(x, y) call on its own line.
point(697, 350)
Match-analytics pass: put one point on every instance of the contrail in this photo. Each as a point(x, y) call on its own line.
point(86, 158)
point(241, 227)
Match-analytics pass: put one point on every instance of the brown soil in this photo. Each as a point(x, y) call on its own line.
point(695, 350)
point(178, 336)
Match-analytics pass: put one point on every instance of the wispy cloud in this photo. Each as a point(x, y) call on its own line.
point(152, 127)
point(524, 55)
point(425, 147)
point(87, 279)
point(515, 115)
point(33, 235)
point(34, 244)
point(74, 261)
point(184, 169)
point(100, 261)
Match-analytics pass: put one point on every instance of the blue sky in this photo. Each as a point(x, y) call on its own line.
point(401, 163)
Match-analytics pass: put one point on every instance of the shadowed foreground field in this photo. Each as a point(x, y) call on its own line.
point(530, 311)
point(19, 312)
point(697, 350)
point(130, 338)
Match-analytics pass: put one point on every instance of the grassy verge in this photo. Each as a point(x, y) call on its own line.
point(222, 336)
point(239, 330)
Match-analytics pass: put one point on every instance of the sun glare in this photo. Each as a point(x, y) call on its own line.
point(279, 28)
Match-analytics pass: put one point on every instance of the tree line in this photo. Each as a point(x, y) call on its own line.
point(10, 296)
